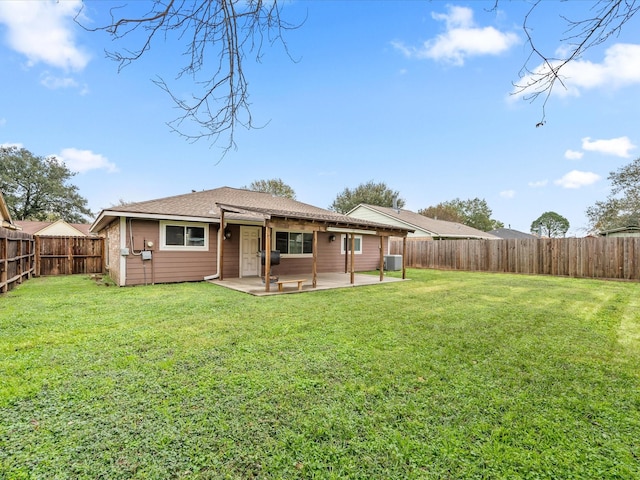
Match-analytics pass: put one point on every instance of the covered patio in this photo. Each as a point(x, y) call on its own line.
point(324, 281)
point(314, 223)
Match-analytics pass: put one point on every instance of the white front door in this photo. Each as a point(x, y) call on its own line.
point(249, 251)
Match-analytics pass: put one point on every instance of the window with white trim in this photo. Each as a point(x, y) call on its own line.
point(346, 244)
point(294, 243)
point(184, 236)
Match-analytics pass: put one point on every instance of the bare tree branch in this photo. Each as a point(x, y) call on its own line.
point(609, 16)
point(218, 34)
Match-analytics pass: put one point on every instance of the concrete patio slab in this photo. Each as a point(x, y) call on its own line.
point(325, 281)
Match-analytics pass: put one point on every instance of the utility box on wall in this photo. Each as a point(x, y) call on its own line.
point(392, 262)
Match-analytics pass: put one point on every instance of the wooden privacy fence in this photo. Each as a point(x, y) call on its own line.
point(17, 258)
point(590, 257)
point(69, 255)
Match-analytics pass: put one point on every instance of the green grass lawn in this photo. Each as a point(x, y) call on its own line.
point(449, 375)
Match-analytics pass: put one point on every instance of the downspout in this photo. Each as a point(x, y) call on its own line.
point(218, 253)
point(122, 280)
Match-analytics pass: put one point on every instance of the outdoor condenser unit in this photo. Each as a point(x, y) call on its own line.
point(392, 262)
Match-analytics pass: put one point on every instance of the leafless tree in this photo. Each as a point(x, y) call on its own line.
point(219, 35)
point(605, 18)
point(230, 30)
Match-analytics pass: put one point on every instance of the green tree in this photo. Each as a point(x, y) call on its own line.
point(37, 188)
point(443, 211)
point(274, 186)
point(550, 224)
point(371, 193)
point(474, 212)
point(622, 206)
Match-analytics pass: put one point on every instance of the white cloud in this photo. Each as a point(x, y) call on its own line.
point(539, 183)
point(43, 32)
point(618, 147)
point(461, 40)
point(573, 155)
point(577, 179)
point(52, 82)
point(11, 145)
point(508, 193)
point(85, 160)
point(620, 67)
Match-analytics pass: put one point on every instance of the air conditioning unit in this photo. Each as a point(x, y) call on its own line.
point(392, 262)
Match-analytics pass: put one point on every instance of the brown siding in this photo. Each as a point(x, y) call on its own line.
point(172, 266)
point(370, 257)
point(165, 266)
point(231, 260)
point(331, 260)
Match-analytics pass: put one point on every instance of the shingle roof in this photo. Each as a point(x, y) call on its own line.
point(627, 229)
point(33, 226)
point(205, 205)
point(507, 233)
point(438, 228)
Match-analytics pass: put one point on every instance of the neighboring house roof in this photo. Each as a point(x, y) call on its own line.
point(423, 226)
point(507, 233)
point(5, 215)
point(239, 205)
point(633, 230)
point(59, 228)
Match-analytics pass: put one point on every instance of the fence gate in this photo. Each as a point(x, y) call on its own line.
point(69, 255)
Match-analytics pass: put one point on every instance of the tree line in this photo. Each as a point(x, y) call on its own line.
point(39, 188)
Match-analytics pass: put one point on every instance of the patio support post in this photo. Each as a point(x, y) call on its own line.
point(221, 256)
point(315, 258)
point(267, 258)
point(381, 258)
point(404, 257)
point(346, 252)
point(353, 271)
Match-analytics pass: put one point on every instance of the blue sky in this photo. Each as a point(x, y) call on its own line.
point(414, 94)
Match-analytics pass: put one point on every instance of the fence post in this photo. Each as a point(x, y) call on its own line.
point(4, 268)
point(19, 260)
point(38, 259)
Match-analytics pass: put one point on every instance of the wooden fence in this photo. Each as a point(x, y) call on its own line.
point(69, 255)
point(17, 258)
point(591, 257)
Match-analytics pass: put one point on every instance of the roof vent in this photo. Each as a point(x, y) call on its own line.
point(395, 204)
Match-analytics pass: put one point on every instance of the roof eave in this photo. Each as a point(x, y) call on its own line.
point(108, 216)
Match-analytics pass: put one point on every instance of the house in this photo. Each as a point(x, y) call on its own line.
point(628, 231)
point(5, 215)
point(58, 228)
point(508, 233)
point(235, 233)
point(425, 227)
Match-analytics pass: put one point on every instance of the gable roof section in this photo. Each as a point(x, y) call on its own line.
point(239, 205)
point(431, 226)
point(59, 227)
point(508, 233)
point(627, 229)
